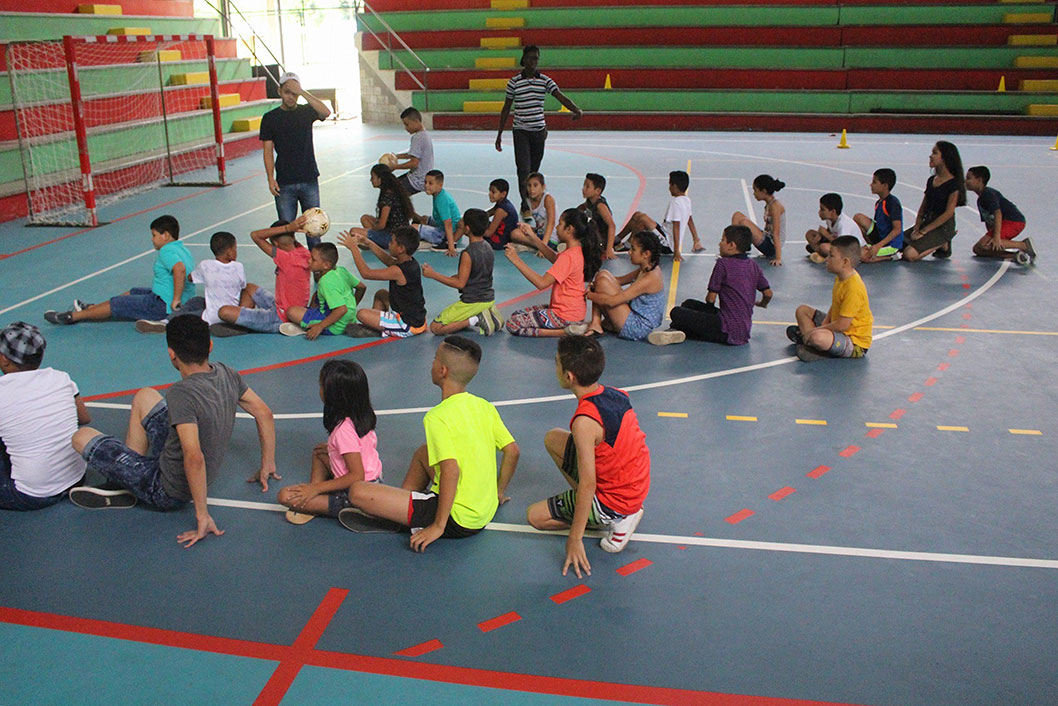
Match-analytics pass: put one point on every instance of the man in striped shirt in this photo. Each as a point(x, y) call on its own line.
point(526, 92)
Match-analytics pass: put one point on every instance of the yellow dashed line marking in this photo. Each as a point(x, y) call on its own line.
point(736, 418)
point(942, 428)
point(812, 422)
point(881, 425)
point(1030, 432)
point(678, 415)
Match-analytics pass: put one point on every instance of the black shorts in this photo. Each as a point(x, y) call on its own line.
point(422, 509)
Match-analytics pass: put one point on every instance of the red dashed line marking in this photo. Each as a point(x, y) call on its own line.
point(953, 352)
point(930, 382)
point(634, 566)
point(420, 649)
point(817, 472)
point(739, 516)
point(570, 593)
point(915, 397)
point(875, 433)
point(849, 451)
point(897, 413)
point(943, 366)
point(699, 534)
point(782, 493)
point(499, 621)
point(681, 547)
point(965, 285)
point(960, 339)
point(964, 325)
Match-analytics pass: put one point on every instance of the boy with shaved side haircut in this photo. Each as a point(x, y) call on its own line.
point(451, 489)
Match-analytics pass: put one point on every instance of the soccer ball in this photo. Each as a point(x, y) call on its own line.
point(389, 159)
point(317, 223)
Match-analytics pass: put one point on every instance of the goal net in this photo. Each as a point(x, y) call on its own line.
point(101, 118)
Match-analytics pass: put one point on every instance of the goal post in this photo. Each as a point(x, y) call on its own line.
point(100, 118)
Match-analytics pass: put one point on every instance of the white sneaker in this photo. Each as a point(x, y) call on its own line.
point(667, 336)
point(577, 329)
point(620, 532)
point(289, 329)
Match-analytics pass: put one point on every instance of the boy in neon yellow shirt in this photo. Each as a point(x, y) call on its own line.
point(846, 330)
point(451, 489)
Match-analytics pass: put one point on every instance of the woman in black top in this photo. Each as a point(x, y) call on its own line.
point(945, 191)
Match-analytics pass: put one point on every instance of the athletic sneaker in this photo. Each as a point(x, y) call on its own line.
point(148, 326)
point(360, 331)
point(817, 258)
point(440, 247)
point(942, 252)
point(489, 322)
point(226, 330)
point(80, 305)
point(356, 521)
point(623, 246)
point(100, 499)
point(666, 337)
point(62, 318)
point(1029, 249)
point(577, 329)
point(289, 329)
point(888, 251)
point(620, 532)
point(808, 355)
point(794, 334)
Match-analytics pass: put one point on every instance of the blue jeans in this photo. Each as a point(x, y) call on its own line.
point(11, 498)
point(379, 238)
point(139, 303)
point(306, 193)
point(263, 317)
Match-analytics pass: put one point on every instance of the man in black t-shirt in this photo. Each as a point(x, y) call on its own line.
point(292, 170)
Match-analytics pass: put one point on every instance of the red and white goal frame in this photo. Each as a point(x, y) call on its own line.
point(99, 119)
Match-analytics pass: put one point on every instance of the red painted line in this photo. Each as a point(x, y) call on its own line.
point(960, 339)
point(739, 516)
point(782, 493)
point(953, 352)
point(915, 397)
point(943, 366)
point(124, 218)
point(398, 667)
point(699, 534)
point(897, 413)
point(284, 675)
point(499, 621)
point(930, 382)
point(570, 593)
point(969, 305)
point(849, 451)
point(420, 649)
point(817, 472)
point(967, 316)
point(964, 325)
point(634, 566)
point(965, 285)
point(875, 433)
point(681, 547)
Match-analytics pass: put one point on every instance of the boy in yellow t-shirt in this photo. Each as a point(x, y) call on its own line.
point(451, 489)
point(846, 330)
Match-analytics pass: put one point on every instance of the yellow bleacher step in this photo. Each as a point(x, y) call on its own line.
point(161, 55)
point(482, 106)
point(99, 9)
point(1048, 111)
point(487, 84)
point(495, 62)
point(504, 22)
point(1036, 62)
point(501, 42)
point(1028, 18)
point(224, 99)
point(1032, 40)
point(1040, 85)
point(509, 4)
point(189, 79)
point(246, 124)
point(129, 31)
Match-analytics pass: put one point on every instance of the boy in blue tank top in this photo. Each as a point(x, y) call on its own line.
point(884, 233)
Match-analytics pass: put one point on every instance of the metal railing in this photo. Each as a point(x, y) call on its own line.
point(390, 34)
point(226, 19)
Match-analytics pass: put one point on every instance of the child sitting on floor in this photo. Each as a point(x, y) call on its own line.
point(542, 208)
point(477, 299)
point(846, 330)
point(835, 224)
point(1002, 218)
point(768, 240)
point(677, 221)
point(400, 311)
point(439, 229)
point(598, 212)
point(393, 209)
point(637, 309)
point(736, 279)
point(604, 458)
point(885, 232)
point(351, 451)
point(570, 269)
point(333, 308)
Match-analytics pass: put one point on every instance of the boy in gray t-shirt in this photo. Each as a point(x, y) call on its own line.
point(419, 158)
point(177, 444)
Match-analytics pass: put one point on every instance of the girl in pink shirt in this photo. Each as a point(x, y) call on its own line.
point(569, 270)
point(351, 451)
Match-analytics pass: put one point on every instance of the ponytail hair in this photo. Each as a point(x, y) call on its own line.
point(388, 182)
point(587, 235)
point(649, 243)
point(768, 184)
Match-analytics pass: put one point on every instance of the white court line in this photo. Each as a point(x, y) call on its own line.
point(148, 252)
point(827, 550)
point(749, 202)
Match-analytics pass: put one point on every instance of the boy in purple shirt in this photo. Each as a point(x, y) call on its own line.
point(736, 279)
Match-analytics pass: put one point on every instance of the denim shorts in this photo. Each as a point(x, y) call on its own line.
point(141, 475)
point(11, 498)
point(263, 317)
point(380, 238)
point(139, 303)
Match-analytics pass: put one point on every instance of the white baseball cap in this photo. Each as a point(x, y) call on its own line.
point(288, 76)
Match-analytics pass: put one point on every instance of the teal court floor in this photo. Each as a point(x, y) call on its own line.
point(874, 532)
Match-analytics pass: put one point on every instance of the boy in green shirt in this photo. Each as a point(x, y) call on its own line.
point(333, 306)
point(451, 489)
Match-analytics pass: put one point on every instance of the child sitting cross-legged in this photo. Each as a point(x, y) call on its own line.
point(351, 451)
point(333, 307)
point(846, 330)
point(736, 279)
point(834, 225)
point(604, 458)
point(633, 304)
point(399, 311)
point(678, 220)
point(885, 232)
point(477, 299)
point(439, 230)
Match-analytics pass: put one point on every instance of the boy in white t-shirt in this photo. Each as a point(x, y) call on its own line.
point(224, 280)
point(40, 409)
point(677, 220)
point(834, 225)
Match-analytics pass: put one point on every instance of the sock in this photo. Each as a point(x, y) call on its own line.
point(474, 320)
